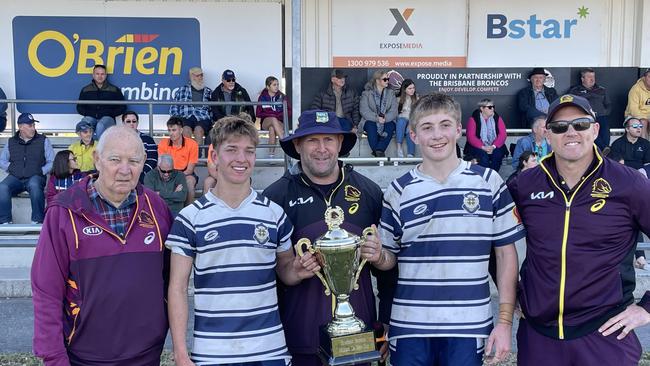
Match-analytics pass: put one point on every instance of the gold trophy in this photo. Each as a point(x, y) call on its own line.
point(346, 339)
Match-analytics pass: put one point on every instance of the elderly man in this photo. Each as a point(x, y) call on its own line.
point(98, 276)
point(170, 184)
point(28, 158)
point(638, 101)
point(599, 100)
point(100, 116)
point(317, 182)
point(582, 214)
point(230, 91)
point(533, 100)
point(196, 118)
point(131, 119)
point(340, 99)
point(535, 142)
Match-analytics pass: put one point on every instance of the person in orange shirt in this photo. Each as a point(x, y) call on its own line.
point(184, 151)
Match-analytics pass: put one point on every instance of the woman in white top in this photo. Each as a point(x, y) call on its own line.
point(407, 99)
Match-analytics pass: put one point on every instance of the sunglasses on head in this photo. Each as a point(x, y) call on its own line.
point(385, 79)
point(231, 80)
point(488, 106)
point(579, 124)
point(166, 171)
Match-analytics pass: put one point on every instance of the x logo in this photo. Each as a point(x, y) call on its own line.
point(401, 19)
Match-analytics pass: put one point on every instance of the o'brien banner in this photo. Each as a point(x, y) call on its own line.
point(147, 58)
point(405, 34)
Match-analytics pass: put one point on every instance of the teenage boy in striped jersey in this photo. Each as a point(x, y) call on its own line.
point(236, 241)
point(438, 225)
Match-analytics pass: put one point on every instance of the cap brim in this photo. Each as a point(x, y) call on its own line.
point(549, 118)
point(349, 140)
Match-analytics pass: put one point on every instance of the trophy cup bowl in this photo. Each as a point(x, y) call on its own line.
point(346, 339)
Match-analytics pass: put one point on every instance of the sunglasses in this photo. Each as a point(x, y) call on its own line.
point(579, 124)
point(166, 171)
point(637, 125)
point(488, 106)
point(230, 80)
point(385, 79)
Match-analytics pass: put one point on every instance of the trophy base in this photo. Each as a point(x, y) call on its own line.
point(353, 349)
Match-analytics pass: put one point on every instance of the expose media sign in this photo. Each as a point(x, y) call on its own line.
point(147, 57)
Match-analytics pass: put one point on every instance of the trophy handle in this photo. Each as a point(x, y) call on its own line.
point(367, 231)
point(307, 243)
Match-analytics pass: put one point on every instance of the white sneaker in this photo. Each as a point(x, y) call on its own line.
point(400, 152)
point(410, 156)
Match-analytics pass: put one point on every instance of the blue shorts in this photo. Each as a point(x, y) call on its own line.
point(448, 351)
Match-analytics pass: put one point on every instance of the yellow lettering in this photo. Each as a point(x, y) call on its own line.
point(110, 59)
point(96, 56)
point(128, 61)
point(165, 52)
point(144, 57)
point(32, 53)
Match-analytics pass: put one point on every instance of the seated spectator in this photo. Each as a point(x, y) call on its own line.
point(407, 98)
point(535, 141)
point(638, 101)
point(184, 152)
point(486, 135)
point(100, 116)
point(196, 118)
point(378, 107)
point(632, 149)
point(84, 148)
point(272, 115)
point(170, 184)
point(230, 91)
point(65, 172)
point(599, 101)
point(131, 119)
point(27, 157)
point(527, 160)
point(3, 111)
point(340, 99)
point(534, 100)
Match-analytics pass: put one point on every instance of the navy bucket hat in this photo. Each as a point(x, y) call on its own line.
point(318, 122)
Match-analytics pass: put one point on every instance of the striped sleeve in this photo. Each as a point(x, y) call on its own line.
point(285, 229)
point(181, 238)
point(506, 225)
point(390, 226)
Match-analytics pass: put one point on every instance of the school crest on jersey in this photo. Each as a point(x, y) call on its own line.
point(470, 202)
point(261, 234)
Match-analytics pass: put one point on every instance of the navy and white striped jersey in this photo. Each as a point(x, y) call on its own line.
point(236, 307)
point(442, 234)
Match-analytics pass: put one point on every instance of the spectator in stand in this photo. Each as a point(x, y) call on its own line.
point(378, 107)
point(100, 116)
point(84, 148)
point(638, 101)
point(407, 98)
point(597, 97)
point(3, 111)
point(230, 91)
point(527, 160)
point(27, 158)
point(631, 149)
point(65, 172)
point(340, 99)
point(170, 184)
point(100, 268)
point(486, 135)
point(536, 141)
point(131, 119)
point(534, 99)
point(184, 151)
point(272, 115)
point(196, 118)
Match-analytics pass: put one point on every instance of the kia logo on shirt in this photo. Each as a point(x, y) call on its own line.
point(542, 195)
point(92, 230)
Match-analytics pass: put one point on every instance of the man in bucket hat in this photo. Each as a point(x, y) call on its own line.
point(318, 181)
point(533, 100)
point(582, 214)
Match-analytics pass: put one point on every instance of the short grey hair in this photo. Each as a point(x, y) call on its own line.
point(538, 119)
point(165, 158)
point(485, 101)
point(120, 133)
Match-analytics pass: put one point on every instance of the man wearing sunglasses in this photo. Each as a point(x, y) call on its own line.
point(632, 149)
point(170, 184)
point(131, 119)
point(582, 214)
point(230, 91)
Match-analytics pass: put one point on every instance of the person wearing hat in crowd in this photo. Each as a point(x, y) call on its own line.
point(319, 181)
point(27, 157)
point(535, 99)
point(582, 214)
point(340, 99)
point(638, 101)
point(230, 91)
point(84, 148)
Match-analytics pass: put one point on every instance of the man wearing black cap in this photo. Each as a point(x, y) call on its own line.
point(582, 214)
point(317, 182)
point(27, 157)
point(533, 101)
point(340, 99)
point(230, 91)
